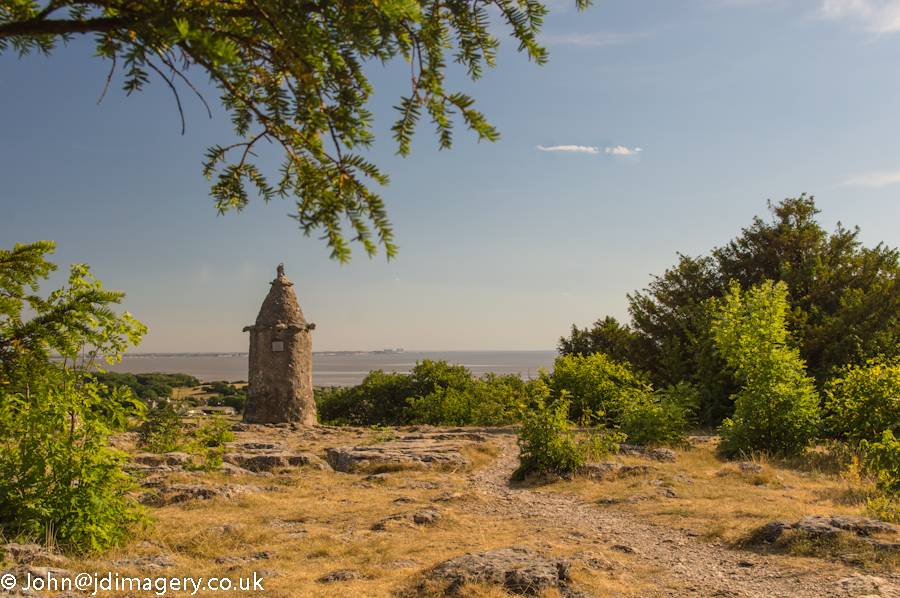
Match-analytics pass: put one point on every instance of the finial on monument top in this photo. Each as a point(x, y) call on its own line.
point(281, 278)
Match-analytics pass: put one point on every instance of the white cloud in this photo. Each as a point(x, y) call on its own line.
point(577, 149)
point(877, 16)
point(614, 150)
point(596, 39)
point(873, 180)
point(621, 150)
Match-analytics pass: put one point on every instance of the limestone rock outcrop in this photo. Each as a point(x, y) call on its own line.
point(518, 570)
point(399, 455)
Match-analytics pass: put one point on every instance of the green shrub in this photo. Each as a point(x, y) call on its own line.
point(777, 407)
point(660, 417)
point(444, 406)
point(208, 442)
point(161, 432)
point(611, 393)
point(58, 473)
point(885, 508)
point(381, 434)
point(687, 398)
point(864, 401)
point(383, 398)
point(488, 401)
point(438, 393)
point(882, 460)
point(334, 404)
point(379, 399)
point(429, 375)
point(549, 445)
point(598, 386)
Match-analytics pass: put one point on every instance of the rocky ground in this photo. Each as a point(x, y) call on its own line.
point(423, 512)
point(687, 565)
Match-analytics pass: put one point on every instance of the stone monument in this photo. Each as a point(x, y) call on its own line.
point(280, 377)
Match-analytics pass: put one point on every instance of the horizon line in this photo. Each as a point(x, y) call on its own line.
point(384, 351)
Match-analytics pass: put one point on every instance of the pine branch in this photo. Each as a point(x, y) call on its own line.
point(36, 27)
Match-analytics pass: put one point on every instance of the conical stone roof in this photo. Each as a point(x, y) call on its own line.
point(280, 306)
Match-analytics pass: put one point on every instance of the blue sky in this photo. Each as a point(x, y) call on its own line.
point(503, 245)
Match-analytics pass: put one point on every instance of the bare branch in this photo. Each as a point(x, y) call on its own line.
point(109, 76)
point(174, 92)
point(177, 72)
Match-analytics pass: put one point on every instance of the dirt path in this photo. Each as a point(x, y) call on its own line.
point(687, 566)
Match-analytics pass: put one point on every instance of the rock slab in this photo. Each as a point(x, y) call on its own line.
point(647, 452)
point(829, 526)
point(517, 570)
point(413, 454)
point(258, 462)
point(611, 470)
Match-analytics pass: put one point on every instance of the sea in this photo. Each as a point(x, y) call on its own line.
point(342, 368)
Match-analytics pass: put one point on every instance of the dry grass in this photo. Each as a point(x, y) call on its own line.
point(310, 523)
point(307, 523)
point(717, 500)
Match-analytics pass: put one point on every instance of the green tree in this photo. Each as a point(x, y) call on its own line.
point(605, 336)
point(668, 336)
point(59, 477)
point(844, 304)
point(75, 322)
point(777, 407)
point(293, 74)
point(844, 297)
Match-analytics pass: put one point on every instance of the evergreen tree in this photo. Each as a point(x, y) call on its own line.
point(293, 74)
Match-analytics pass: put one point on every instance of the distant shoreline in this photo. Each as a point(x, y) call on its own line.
point(337, 368)
point(134, 355)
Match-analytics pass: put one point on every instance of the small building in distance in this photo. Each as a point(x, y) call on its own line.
point(279, 388)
